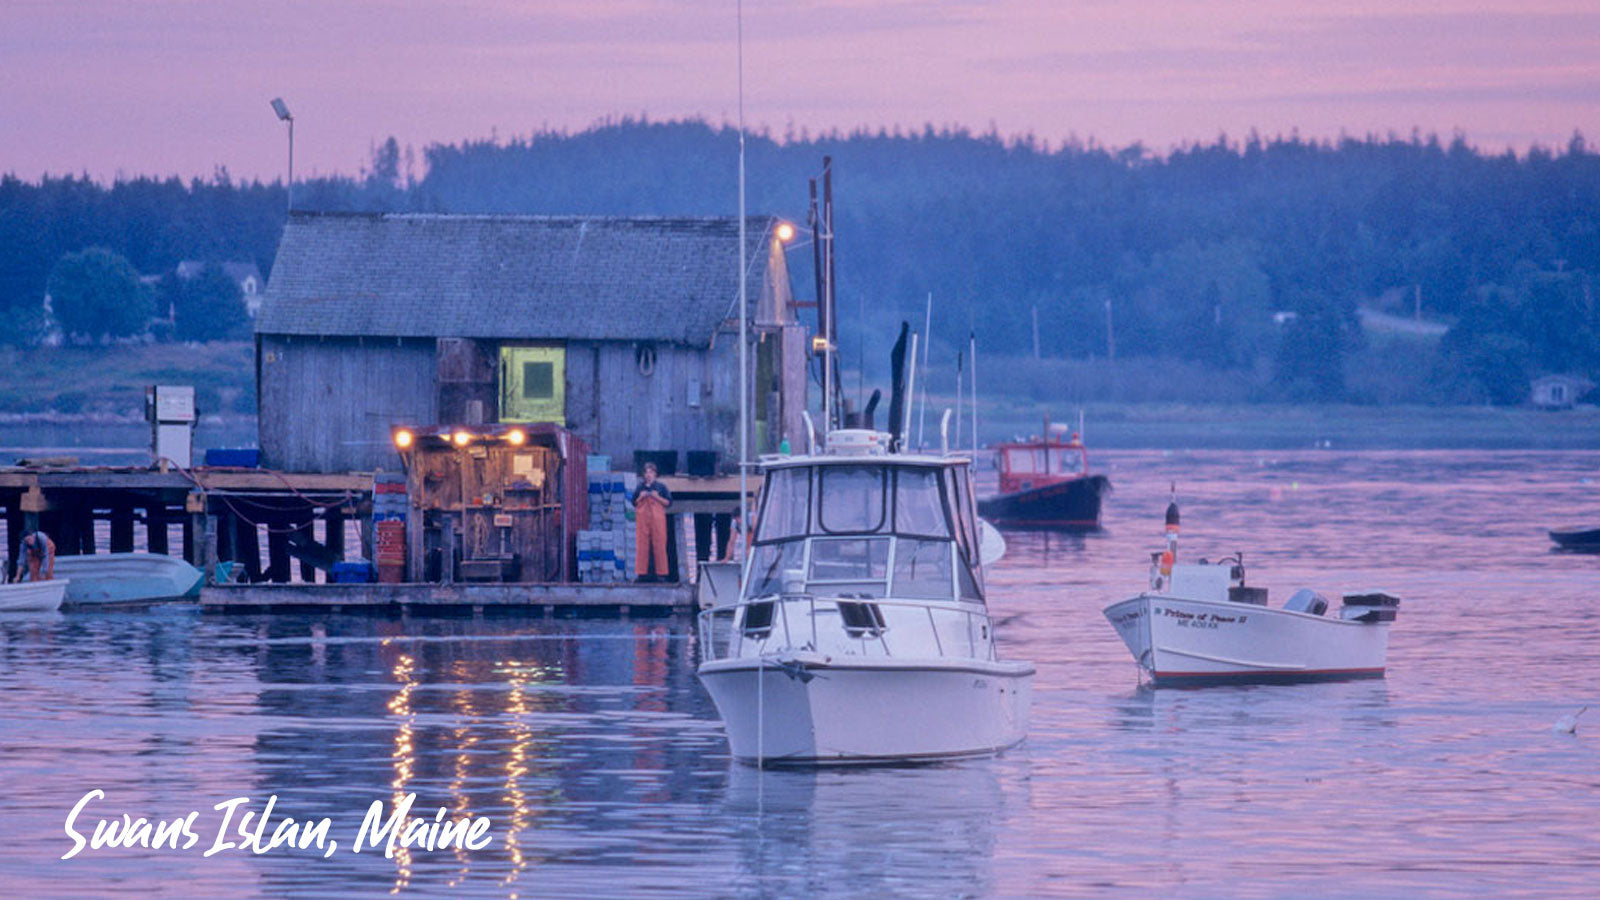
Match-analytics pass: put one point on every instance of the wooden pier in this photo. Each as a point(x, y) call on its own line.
point(476, 598)
point(222, 513)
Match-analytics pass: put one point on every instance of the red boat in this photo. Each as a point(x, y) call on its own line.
point(1045, 483)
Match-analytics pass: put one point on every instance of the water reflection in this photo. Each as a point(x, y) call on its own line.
point(917, 831)
point(602, 767)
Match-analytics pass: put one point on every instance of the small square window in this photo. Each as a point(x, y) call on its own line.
point(538, 380)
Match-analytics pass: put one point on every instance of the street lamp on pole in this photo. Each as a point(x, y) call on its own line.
point(283, 115)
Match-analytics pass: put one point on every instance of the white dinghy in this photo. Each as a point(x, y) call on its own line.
point(860, 632)
point(32, 596)
point(1200, 624)
point(110, 578)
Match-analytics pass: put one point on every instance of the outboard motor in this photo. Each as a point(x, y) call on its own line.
point(1306, 600)
point(1373, 607)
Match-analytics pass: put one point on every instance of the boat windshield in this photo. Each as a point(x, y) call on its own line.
point(786, 504)
point(849, 567)
point(856, 499)
point(919, 505)
point(867, 530)
point(850, 499)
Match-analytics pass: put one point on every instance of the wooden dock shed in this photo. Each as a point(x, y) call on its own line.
point(623, 330)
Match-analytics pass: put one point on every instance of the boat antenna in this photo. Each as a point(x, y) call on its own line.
point(744, 311)
point(973, 365)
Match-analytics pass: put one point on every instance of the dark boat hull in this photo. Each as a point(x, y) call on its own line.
point(1067, 505)
point(1586, 539)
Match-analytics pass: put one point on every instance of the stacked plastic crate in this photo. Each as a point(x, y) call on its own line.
point(389, 525)
point(606, 547)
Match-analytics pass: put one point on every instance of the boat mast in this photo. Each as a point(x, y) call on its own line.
point(972, 363)
point(927, 338)
point(744, 316)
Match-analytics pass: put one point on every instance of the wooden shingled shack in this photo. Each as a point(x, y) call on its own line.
point(622, 330)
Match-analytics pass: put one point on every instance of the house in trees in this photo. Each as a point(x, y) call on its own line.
point(246, 274)
point(1558, 391)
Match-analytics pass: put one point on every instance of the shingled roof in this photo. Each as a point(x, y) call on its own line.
point(516, 277)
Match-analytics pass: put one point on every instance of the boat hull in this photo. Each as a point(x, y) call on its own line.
point(1181, 642)
point(108, 578)
point(1581, 539)
point(808, 709)
point(1073, 504)
point(33, 596)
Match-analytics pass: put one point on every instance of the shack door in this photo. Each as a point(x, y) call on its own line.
point(533, 384)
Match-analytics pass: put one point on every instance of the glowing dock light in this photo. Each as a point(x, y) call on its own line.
point(516, 437)
point(785, 232)
point(403, 439)
point(461, 438)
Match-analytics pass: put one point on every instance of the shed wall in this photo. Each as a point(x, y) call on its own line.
point(327, 404)
point(614, 405)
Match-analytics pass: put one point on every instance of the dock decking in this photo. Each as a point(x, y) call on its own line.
point(658, 599)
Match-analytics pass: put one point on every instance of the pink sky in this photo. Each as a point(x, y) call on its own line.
point(182, 86)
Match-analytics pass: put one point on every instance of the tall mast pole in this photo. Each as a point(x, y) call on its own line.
point(744, 319)
point(830, 371)
point(927, 339)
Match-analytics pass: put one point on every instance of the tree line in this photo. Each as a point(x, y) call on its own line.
point(1252, 259)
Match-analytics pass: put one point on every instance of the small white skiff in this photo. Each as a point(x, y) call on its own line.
point(109, 578)
point(32, 596)
point(1200, 624)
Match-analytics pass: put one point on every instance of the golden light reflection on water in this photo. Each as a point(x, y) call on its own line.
point(404, 755)
point(526, 751)
point(467, 713)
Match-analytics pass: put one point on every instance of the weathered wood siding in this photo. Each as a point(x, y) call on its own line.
point(327, 404)
point(468, 381)
point(614, 405)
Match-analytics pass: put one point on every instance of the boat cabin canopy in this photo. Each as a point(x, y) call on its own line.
point(1040, 458)
point(868, 529)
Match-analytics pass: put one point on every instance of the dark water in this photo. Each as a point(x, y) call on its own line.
point(600, 763)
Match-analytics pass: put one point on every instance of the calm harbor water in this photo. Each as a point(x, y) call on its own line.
point(601, 765)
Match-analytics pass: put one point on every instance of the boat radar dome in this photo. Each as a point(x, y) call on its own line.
point(857, 442)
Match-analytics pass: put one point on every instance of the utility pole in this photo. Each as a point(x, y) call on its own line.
point(282, 110)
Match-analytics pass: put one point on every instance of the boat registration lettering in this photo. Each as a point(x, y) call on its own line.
point(1200, 620)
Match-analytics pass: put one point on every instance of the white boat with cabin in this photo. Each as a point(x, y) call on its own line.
point(860, 633)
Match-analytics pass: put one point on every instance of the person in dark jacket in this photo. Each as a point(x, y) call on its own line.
point(650, 501)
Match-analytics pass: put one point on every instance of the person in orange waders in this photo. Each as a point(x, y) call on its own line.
point(40, 553)
point(650, 501)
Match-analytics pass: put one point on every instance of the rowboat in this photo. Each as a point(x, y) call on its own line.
point(32, 596)
point(111, 578)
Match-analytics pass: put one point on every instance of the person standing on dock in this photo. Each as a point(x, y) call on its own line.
point(40, 552)
point(650, 501)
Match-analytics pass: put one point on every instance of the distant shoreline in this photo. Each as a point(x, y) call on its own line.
point(1145, 426)
point(1159, 426)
